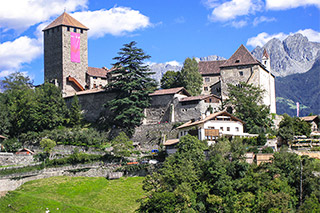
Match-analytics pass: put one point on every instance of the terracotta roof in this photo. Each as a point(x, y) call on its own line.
point(210, 67)
point(71, 79)
point(241, 57)
point(66, 20)
point(170, 91)
point(210, 117)
point(309, 118)
point(97, 72)
point(171, 142)
point(2, 137)
point(199, 97)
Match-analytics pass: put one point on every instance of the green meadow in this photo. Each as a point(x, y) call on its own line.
point(75, 194)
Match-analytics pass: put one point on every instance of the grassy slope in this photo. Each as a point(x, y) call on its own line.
point(75, 194)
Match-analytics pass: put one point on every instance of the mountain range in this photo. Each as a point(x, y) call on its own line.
point(295, 62)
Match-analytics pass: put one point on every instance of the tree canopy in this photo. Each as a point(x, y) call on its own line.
point(132, 84)
point(171, 79)
point(246, 101)
point(191, 79)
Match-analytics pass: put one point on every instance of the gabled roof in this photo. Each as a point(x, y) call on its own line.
point(170, 91)
point(210, 67)
point(310, 118)
point(171, 142)
point(265, 54)
point(210, 117)
point(66, 20)
point(241, 57)
point(97, 72)
point(198, 98)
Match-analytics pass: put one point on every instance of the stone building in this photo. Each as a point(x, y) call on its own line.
point(240, 67)
point(177, 105)
point(66, 57)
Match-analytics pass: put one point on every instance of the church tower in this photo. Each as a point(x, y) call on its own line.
point(266, 60)
point(66, 54)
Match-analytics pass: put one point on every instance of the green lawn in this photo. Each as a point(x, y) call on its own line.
point(75, 194)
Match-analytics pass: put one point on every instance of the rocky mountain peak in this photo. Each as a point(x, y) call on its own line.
point(295, 54)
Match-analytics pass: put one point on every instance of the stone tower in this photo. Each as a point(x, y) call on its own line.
point(266, 60)
point(66, 54)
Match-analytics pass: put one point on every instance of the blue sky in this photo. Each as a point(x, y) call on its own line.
point(167, 30)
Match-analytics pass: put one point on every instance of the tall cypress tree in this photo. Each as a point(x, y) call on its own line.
point(132, 84)
point(190, 77)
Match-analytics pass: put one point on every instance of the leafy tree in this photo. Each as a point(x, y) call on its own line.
point(171, 79)
point(289, 127)
point(122, 145)
point(47, 145)
point(50, 109)
point(190, 77)
point(132, 84)
point(246, 100)
point(11, 145)
point(4, 116)
point(75, 112)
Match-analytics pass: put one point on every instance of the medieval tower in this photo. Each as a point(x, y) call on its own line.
point(66, 54)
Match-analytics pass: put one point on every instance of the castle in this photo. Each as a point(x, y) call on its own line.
point(66, 65)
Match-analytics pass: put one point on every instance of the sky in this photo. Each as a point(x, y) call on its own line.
point(167, 30)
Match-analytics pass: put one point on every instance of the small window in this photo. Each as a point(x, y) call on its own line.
point(68, 28)
point(237, 61)
point(75, 30)
point(265, 62)
point(207, 79)
point(228, 129)
point(206, 89)
point(237, 129)
point(221, 128)
point(81, 31)
point(94, 86)
point(94, 77)
point(241, 73)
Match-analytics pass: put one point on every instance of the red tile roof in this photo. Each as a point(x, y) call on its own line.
point(66, 20)
point(241, 57)
point(170, 91)
point(71, 79)
point(210, 67)
point(265, 53)
point(97, 72)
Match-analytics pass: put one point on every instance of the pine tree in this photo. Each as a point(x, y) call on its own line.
point(132, 84)
point(190, 77)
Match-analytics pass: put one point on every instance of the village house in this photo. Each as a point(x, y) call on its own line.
point(313, 121)
point(209, 128)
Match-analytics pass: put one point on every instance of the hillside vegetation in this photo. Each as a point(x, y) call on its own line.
point(75, 194)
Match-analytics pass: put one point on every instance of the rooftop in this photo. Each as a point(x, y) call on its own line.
point(66, 20)
point(170, 91)
point(241, 57)
point(97, 72)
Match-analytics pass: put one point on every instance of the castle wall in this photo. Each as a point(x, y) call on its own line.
point(92, 103)
point(208, 81)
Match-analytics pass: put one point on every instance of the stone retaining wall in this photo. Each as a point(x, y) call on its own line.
point(7, 159)
point(13, 181)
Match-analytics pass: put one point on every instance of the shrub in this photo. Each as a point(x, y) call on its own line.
point(267, 150)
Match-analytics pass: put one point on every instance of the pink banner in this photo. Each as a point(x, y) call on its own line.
point(75, 47)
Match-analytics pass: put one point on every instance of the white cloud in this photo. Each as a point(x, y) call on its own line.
point(311, 34)
point(263, 38)
point(288, 4)
point(239, 24)
point(14, 53)
point(21, 14)
point(262, 19)
point(116, 21)
point(231, 9)
point(174, 63)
